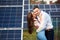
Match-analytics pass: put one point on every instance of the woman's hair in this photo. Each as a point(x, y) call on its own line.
point(30, 22)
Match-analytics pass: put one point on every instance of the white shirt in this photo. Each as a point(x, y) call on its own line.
point(46, 22)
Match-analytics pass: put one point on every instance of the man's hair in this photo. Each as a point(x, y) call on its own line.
point(35, 7)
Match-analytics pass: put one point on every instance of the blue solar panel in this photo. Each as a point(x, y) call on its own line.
point(53, 9)
point(25, 25)
point(54, 24)
point(11, 2)
point(53, 6)
point(31, 7)
point(25, 12)
point(59, 25)
point(55, 14)
point(25, 18)
point(47, 6)
point(26, 1)
point(10, 34)
point(41, 6)
point(58, 5)
point(47, 11)
point(10, 17)
point(58, 9)
point(25, 6)
point(56, 21)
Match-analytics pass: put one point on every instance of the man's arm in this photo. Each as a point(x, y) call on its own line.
point(42, 24)
point(49, 23)
point(36, 23)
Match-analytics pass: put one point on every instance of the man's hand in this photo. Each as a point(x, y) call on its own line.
point(36, 24)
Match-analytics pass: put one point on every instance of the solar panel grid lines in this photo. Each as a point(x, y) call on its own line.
point(3, 17)
point(55, 14)
point(11, 2)
point(26, 2)
point(10, 35)
point(58, 5)
point(11, 16)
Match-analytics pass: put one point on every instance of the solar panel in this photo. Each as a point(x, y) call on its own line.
point(25, 12)
point(25, 6)
point(55, 14)
point(55, 17)
point(53, 9)
point(41, 6)
point(47, 6)
point(26, 2)
point(58, 9)
point(10, 17)
point(53, 6)
point(31, 7)
point(11, 2)
point(58, 5)
point(59, 22)
point(10, 34)
point(25, 25)
point(25, 18)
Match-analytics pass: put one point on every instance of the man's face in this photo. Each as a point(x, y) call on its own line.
point(36, 11)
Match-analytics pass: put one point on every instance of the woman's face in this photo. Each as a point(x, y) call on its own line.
point(34, 16)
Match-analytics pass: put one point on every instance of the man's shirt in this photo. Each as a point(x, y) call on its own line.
point(45, 23)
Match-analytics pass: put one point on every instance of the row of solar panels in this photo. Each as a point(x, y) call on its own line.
point(42, 6)
point(46, 10)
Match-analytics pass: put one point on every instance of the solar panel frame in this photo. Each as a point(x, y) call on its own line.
point(55, 14)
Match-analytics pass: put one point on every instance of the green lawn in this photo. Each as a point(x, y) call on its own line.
point(27, 36)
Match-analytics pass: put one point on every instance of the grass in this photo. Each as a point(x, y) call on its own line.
point(27, 36)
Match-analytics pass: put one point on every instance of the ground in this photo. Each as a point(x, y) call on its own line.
point(27, 36)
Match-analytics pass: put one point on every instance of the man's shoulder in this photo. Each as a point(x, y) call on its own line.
point(45, 13)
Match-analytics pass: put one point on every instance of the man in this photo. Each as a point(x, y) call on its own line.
point(43, 24)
